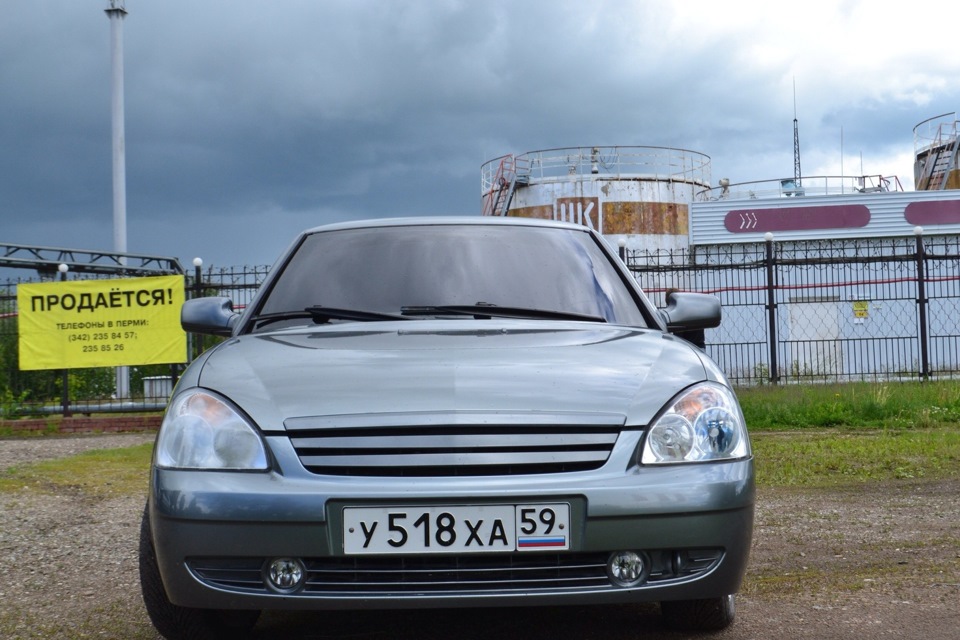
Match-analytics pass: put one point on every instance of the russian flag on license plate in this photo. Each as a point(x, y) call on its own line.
point(543, 542)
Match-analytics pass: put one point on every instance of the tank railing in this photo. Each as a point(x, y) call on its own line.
point(807, 186)
point(933, 132)
point(554, 165)
point(491, 172)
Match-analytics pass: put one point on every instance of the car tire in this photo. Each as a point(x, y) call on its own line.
point(183, 623)
point(710, 614)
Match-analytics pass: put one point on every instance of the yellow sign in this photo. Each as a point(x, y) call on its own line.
point(101, 323)
point(861, 308)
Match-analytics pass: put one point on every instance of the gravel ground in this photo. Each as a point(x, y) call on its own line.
point(872, 561)
point(24, 450)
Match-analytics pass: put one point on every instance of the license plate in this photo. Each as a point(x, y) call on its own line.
point(456, 529)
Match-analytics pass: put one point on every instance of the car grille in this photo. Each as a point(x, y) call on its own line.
point(487, 573)
point(404, 445)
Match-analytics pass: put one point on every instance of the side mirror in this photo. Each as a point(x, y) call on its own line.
point(211, 316)
point(686, 311)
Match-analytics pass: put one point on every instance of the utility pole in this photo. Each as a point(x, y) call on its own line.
point(116, 13)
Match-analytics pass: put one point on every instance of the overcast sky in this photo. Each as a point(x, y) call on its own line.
point(248, 121)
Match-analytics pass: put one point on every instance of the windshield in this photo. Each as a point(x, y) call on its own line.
point(388, 269)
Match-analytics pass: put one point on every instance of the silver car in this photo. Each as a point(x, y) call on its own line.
point(447, 412)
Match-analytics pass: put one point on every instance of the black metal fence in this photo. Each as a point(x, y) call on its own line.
point(826, 311)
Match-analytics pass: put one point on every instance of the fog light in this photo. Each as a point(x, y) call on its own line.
point(626, 568)
point(285, 575)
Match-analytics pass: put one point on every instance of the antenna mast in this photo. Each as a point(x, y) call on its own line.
point(796, 137)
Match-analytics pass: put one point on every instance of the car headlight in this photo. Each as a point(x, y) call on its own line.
point(703, 423)
point(201, 430)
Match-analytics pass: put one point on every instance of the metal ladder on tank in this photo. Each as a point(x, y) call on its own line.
point(940, 161)
point(512, 172)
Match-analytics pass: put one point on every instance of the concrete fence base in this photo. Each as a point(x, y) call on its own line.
point(82, 424)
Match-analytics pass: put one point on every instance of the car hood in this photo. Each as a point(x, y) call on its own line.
point(436, 366)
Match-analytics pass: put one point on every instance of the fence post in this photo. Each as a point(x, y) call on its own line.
point(63, 268)
point(922, 304)
point(196, 347)
point(772, 310)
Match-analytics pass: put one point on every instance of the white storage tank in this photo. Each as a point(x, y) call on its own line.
point(638, 195)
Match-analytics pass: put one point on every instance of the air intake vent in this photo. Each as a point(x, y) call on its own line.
point(456, 574)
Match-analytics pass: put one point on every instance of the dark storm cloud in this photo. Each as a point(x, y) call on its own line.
point(247, 121)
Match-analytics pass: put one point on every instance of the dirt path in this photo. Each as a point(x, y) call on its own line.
point(874, 561)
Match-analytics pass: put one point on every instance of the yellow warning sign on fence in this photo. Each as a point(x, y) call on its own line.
point(101, 323)
point(861, 308)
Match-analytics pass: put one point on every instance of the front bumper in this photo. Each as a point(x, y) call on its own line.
point(214, 531)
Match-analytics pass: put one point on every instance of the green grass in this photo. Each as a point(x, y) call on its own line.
point(838, 579)
point(828, 458)
point(821, 435)
point(97, 474)
point(840, 437)
point(882, 405)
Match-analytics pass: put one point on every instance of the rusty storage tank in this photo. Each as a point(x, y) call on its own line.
point(936, 146)
point(637, 197)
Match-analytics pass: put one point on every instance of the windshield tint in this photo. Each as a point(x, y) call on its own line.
point(384, 269)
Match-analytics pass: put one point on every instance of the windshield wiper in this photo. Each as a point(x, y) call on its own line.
point(269, 318)
point(321, 314)
point(486, 310)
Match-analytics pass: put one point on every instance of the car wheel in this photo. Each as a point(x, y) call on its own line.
point(175, 622)
point(710, 614)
